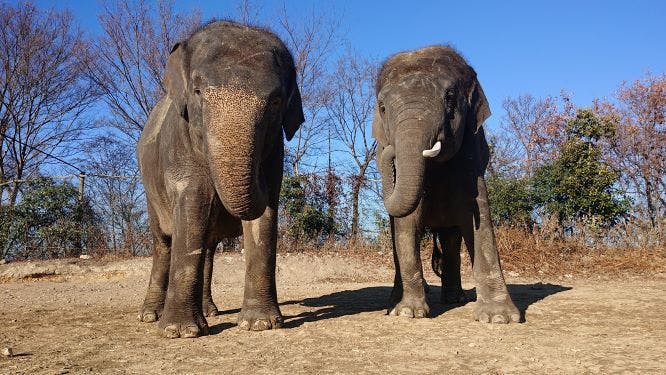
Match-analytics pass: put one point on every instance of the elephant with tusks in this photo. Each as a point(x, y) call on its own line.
point(432, 155)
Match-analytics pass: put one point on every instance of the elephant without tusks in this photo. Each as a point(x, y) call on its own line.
point(211, 159)
point(432, 155)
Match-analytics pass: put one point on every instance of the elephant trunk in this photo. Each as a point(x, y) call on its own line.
point(403, 170)
point(234, 143)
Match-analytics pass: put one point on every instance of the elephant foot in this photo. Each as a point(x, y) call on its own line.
point(496, 312)
point(183, 325)
point(454, 296)
point(411, 308)
point(209, 308)
point(150, 311)
point(148, 315)
point(260, 319)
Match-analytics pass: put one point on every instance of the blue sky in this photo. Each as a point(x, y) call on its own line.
point(540, 47)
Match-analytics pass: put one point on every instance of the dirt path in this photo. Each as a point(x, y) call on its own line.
point(78, 317)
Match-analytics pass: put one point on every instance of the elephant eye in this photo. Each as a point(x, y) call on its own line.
point(382, 109)
point(197, 82)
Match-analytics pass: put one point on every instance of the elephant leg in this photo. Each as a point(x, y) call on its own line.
point(452, 291)
point(208, 306)
point(493, 301)
point(183, 315)
point(396, 292)
point(153, 303)
point(408, 294)
point(260, 309)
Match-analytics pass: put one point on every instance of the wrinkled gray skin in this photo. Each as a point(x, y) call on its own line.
point(425, 96)
point(211, 159)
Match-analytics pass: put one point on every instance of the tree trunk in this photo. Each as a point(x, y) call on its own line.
point(356, 188)
point(650, 203)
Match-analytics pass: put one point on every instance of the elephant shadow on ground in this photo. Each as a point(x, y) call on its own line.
point(339, 304)
point(218, 328)
point(373, 299)
point(524, 295)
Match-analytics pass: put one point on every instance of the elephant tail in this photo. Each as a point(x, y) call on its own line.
point(436, 260)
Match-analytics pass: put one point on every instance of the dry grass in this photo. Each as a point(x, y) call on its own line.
point(375, 253)
point(522, 254)
point(530, 255)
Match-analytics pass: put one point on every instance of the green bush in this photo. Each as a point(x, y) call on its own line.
point(305, 210)
point(47, 222)
point(579, 186)
point(511, 201)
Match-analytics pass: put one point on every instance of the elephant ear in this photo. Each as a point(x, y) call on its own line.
point(478, 104)
point(175, 78)
point(378, 128)
point(293, 117)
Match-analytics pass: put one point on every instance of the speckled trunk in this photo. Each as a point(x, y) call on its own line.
point(234, 147)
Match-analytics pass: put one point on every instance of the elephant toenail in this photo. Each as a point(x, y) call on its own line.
point(484, 318)
point(190, 332)
point(515, 318)
point(261, 325)
point(213, 312)
point(244, 324)
point(149, 317)
point(419, 314)
point(406, 311)
point(393, 312)
point(171, 332)
point(499, 319)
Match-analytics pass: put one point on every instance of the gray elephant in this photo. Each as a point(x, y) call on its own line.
point(432, 155)
point(211, 158)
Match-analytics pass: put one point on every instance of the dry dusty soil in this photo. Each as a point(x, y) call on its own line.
point(79, 316)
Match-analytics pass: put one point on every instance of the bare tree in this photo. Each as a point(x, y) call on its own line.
point(350, 111)
point(132, 54)
point(312, 42)
point(537, 125)
point(506, 158)
point(638, 150)
point(44, 92)
point(248, 12)
point(116, 193)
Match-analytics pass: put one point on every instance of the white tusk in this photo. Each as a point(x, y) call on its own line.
point(434, 151)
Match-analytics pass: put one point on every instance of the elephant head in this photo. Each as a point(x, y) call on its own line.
point(426, 101)
point(235, 86)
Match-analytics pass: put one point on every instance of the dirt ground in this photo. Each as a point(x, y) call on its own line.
point(79, 316)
